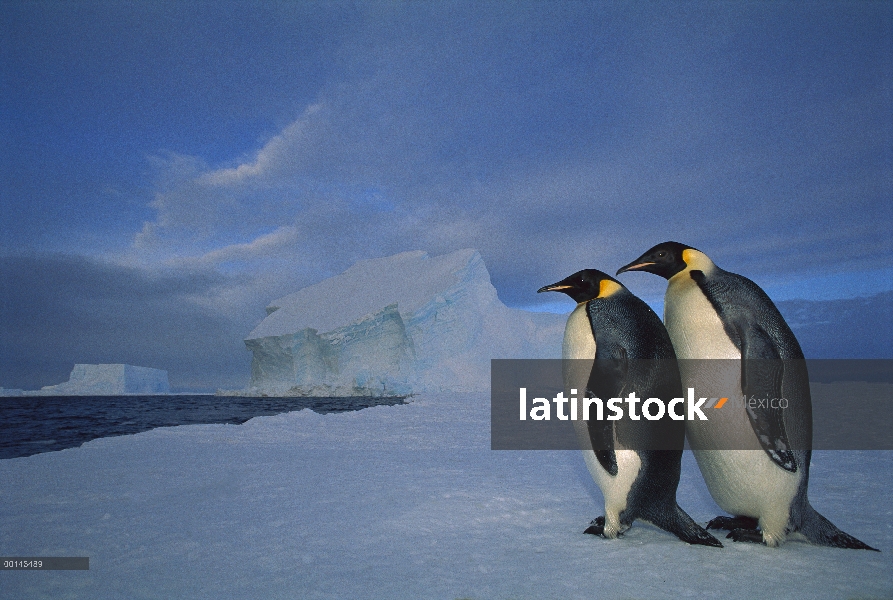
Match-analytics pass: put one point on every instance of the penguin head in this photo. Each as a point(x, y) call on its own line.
point(665, 259)
point(586, 285)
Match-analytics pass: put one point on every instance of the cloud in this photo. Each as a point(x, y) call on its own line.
point(58, 310)
point(284, 150)
point(850, 328)
point(265, 246)
point(554, 138)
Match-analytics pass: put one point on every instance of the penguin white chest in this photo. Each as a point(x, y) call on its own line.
point(578, 351)
point(579, 341)
point(694, 327)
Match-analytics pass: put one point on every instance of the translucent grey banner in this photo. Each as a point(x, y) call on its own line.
point(45, 563)
point(721, 404)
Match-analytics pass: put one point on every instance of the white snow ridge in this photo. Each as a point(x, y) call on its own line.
point(392, 326)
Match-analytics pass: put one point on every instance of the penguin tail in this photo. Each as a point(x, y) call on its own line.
point(822, 532)
point(677, 522)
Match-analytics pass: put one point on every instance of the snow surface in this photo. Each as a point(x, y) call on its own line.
point(392, 326)
point(108, 380)
point(396, 502)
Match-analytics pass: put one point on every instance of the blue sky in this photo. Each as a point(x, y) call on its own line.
point(170, 168)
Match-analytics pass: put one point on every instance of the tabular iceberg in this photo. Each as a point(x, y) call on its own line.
point(108, 380)
point(394, 326)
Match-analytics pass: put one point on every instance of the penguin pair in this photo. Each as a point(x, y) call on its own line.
point(710, 313)
point(614, 344)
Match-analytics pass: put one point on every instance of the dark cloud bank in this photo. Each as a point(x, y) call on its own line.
point(849, 328)
point(56, 310)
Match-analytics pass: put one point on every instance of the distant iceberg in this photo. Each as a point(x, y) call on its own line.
point(394, 326)
point(108, 380)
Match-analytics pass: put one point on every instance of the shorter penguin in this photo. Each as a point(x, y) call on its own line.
point(615, 345)
point(714, 314)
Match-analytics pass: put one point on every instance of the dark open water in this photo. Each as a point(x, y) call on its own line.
point(34, 424)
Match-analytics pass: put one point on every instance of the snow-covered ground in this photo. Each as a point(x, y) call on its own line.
point(396, 502)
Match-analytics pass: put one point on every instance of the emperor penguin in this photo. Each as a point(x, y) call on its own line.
point(617, 345)
point(761, 476)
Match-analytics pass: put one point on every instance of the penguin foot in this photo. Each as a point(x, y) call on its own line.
point(596, 527)
point(746, 535)
point(732, 523)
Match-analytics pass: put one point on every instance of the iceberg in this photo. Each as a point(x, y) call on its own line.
point(108, 380)
point(395, 326)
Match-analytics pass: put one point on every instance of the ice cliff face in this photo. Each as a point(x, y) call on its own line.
point(109, 380)
point(393, 326)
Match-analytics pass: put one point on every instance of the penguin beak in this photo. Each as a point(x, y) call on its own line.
point(555, 287)
point(633, 266)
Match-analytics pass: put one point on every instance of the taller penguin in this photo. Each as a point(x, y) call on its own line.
point(619, 346)
point(713, 314)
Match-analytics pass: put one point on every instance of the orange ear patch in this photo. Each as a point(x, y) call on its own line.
point(606, 287)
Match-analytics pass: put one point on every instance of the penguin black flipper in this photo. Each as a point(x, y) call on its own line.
point(762, 370)
point(606, 380)
point(601, 434)
point(603, 380)
point(761, 377)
